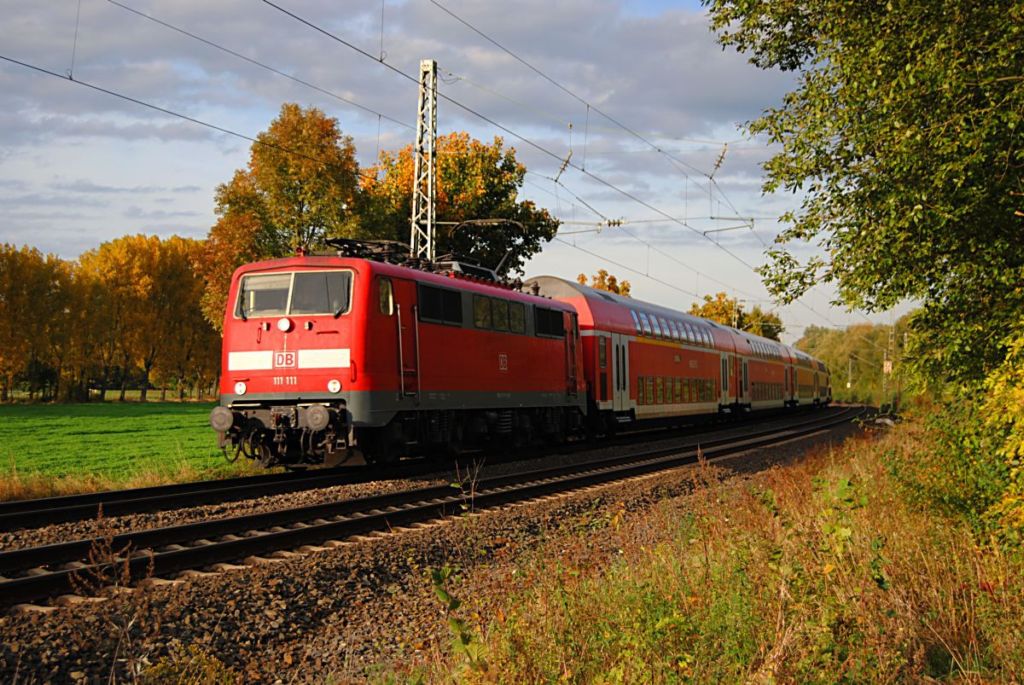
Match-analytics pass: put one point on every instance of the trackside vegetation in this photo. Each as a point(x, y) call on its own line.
point(836, 569)
point(903, 133)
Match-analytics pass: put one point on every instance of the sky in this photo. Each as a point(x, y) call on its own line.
point(639, 92)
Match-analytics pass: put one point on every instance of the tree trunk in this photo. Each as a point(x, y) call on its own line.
point(124, 387)
point(145, 383)
point(4, 392)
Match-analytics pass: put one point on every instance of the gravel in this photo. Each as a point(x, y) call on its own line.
point(338, 612)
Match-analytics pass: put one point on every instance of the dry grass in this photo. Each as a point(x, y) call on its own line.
point(818, 572)
point(16, 485)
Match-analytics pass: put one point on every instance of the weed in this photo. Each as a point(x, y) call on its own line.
point(189, 666)
point(465, 643)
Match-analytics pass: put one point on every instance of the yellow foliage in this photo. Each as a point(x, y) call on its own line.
point(1004, 413)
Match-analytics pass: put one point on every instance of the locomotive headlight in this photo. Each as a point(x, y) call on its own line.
point(334, 385)
point(240, 388)
point(284, 324)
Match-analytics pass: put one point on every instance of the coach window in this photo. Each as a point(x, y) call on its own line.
point(665, 332)
point(675, 330)
point(645, 322)
point(481, 311)
point(602, 352)
point(499, 314)
point(386, 296)
point(636, 322)
point(517, 317)
point(690, 337)
point(440, 305)
point(655, 326)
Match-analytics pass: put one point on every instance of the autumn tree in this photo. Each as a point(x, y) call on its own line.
point(475, 180)
point(904, 133)
point(299, 186)
point(21, 276)
point(856, 358)
point(602, 280)
point(729, 312)
point(190, 345)
point(151, 295)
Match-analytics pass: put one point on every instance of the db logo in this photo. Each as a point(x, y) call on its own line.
point(284, 360)
point(502, 362)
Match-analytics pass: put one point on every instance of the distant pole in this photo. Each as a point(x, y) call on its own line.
point(424, 190)
point(885, 372)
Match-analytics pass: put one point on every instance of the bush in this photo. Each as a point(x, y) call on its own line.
point(953, 463)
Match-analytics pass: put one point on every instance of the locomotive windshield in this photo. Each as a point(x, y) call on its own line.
point(300, 292)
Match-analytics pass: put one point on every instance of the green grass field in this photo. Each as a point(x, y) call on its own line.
point(75, 447)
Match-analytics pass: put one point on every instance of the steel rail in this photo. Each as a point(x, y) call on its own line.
point(44, 570)
point(20, 514)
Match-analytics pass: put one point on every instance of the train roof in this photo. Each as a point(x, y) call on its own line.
point(611, 312)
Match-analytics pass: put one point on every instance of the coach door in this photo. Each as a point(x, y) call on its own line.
point(572, 336)
point(745, 388)
point(620, 372)
point(408, 329)
point(723, 398)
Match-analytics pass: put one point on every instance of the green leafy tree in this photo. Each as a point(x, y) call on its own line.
point(305, 174)
point(475, 181)
point(904, 134)
point(729, 312)
point(856, 358)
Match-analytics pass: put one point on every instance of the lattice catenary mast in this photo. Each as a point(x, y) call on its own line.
point(421, 236)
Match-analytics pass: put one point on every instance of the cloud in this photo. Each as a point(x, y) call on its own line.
point(134, 212)
point(83, 167)
point(86, 186)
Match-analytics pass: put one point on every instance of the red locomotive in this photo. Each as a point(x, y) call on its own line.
point(319, 350)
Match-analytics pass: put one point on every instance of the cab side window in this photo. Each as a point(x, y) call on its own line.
point(386, 296)
point(481, 311)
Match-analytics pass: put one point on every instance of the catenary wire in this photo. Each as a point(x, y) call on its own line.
point(162, 110)
point(257, 63)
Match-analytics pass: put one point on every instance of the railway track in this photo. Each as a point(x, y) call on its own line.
point(33, 574)
point(20, 514)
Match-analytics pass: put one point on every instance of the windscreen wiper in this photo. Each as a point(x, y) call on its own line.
point(241, 304)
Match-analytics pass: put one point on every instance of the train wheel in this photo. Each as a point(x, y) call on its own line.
point(523, 435)
point(455, 445)
point(381, 445)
